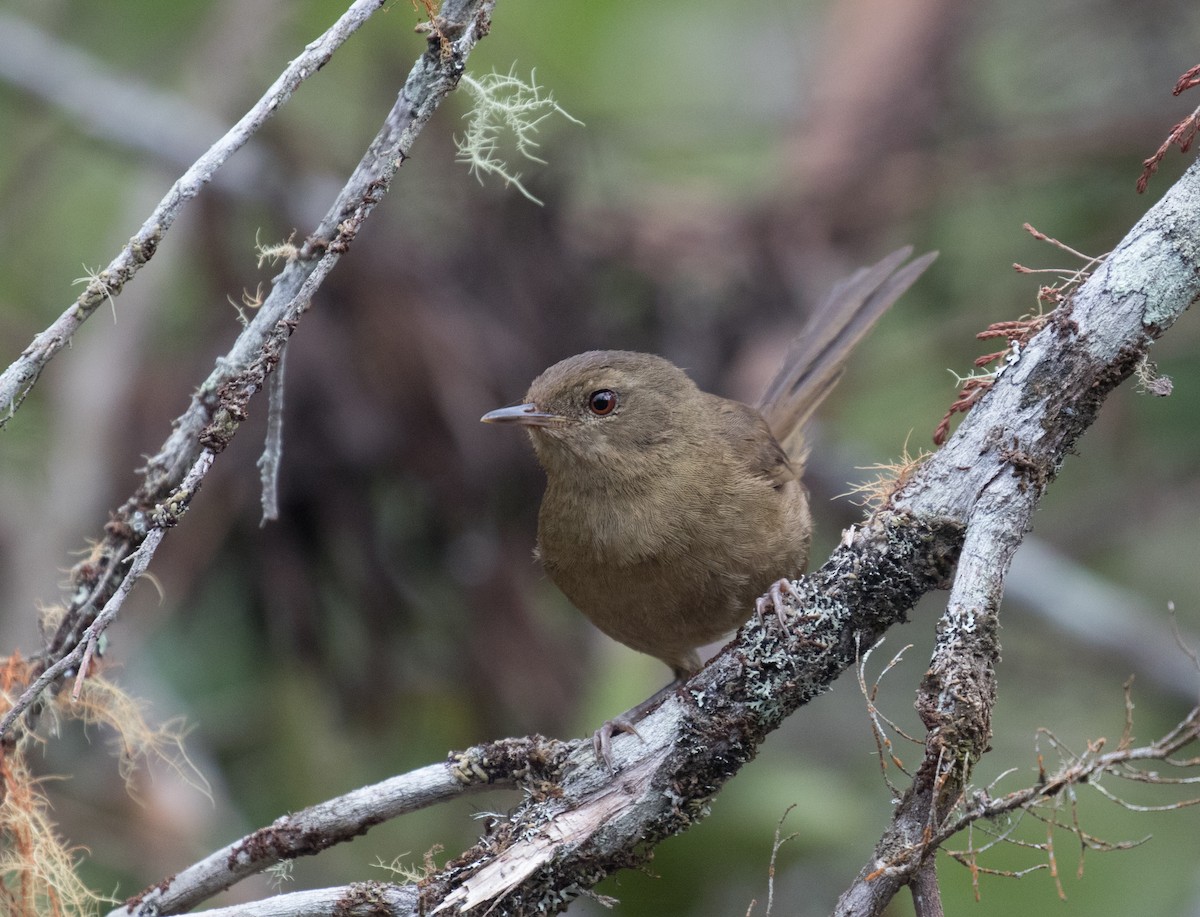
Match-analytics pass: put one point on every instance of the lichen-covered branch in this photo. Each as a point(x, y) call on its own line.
point(534, 763)
point(220, 403)
point(697, 740)
point(565, 838)
point(955, 702)
point(991, 475)
point(362, 899)
point(22, 374)
point(167, 514)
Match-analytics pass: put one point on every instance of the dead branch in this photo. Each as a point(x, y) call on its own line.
point(17, 380)
point(534, 763)
point(220, 404)
point(991, 475)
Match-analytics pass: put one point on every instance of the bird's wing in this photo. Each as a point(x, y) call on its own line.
point(753, 445)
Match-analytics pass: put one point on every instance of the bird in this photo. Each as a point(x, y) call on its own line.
point(672, 515)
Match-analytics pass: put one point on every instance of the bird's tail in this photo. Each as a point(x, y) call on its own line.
point(818, 356)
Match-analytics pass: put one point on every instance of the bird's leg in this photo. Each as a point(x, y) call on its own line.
point(775, 599)
point(602, 738)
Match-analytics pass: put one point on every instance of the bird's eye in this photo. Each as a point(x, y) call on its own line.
point(603, 402)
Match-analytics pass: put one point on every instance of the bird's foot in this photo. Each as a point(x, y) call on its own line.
point(775, 599)
point(602, 737)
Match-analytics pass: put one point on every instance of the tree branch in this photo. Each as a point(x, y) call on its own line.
point(220, 404)
point(362, 899)
point(534, 763)
point(17, 380)
point(994, 470)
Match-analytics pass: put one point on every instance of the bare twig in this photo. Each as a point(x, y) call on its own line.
point(166, 515)
point(534, 763)
point(1042, 237)
point(220, 404)
point(1081, 771)
point(17, 380)
point(778, 843)
point(880, 723)
point(272, 454)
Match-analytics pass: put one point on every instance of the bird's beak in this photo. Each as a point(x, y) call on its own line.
point(527, 415)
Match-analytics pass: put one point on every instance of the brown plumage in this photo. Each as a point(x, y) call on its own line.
point(668, 511)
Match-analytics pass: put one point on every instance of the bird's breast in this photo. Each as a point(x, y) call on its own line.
point(605, 528)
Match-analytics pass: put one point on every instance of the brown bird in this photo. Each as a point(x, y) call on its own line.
point(668, 511)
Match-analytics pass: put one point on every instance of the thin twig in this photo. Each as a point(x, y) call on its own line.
point(515, 762)
point(138, 561)
point(17, 380)
point(1076, 773)
point(779, 842)
point(272, 454)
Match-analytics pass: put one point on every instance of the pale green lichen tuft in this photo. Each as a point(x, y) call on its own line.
point(504, 106)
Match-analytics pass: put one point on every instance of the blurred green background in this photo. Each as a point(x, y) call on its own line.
point(736, 161)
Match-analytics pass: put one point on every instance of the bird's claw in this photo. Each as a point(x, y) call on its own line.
point(775, 599)
point(602, 738)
